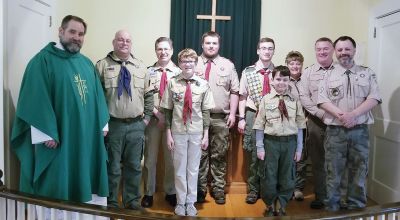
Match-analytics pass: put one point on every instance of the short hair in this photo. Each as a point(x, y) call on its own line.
point(323, 39)
point(344, 38)
point(294, 56)
point(162, 39)
point(187, 53)
point(265, 39)
point(68, 18)
point(211, 34)
point(282, 70)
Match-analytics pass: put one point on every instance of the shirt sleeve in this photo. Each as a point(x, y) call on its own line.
point(234, 81)
point(305, 96)
point(374, 90)
point(166, 101)
point(260, 121)
point(243, 85)
point(300, 118)
point(208, 100)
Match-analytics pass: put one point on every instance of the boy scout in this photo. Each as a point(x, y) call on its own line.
point(160, 73)
point(224, 83)
point(130, 103)
point(187, 103)
point(279, 139)
point(254, 84)
point(348, 95)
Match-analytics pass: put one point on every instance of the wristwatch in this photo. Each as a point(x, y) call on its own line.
point(241, 118)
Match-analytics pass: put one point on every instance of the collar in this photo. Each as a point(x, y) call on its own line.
point(260, 66)
point(194, 78)
point(170, 67)
point(275, 94)
point(295, 80)
point(205, 59)
point(114, 57)
point(320, 67)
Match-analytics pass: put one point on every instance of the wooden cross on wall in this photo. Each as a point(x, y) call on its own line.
point(214, 17)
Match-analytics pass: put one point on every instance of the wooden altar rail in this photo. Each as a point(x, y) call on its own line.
point(16, 205)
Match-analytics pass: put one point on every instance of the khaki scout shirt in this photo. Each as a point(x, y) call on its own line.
point(269, 117)
point(155, 73)
point(308, 88)
point(363, 85)
point(223, 81)
point(124, 107)
point(201, 100)
point(244, 88)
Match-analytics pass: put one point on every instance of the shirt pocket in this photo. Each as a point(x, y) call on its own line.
point(196, 97)
point(178, 96)
point(314, 83)
point(362, 88)
point(272, 113)
point(291, 108)
point(111, 79)
point(223, 79)
point(335, 90)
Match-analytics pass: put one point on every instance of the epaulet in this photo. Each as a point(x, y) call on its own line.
point(152, 65)
point(363, 67)
point(250, 68)
point(309, 66)
point(174, 77)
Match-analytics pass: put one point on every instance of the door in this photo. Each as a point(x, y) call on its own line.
point(384, 171)
point(27, 30)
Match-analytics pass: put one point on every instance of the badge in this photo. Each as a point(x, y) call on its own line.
point(177, 97)
point(197, 83)
point(270, 106)
point(110, 68)
point(222, 68)
point(153, 73)
point(362, 75)
point(335, 92)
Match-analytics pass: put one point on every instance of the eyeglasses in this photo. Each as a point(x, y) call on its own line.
point(267, 48)
point(187, 61)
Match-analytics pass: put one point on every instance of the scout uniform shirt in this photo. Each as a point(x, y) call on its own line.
point(269, 117)
point(347, 97)
point(246, 85)
point(294, 87)
point(201, 100)
point(155, 73)
point(223, 81)
point(311, 78)
point(124, 106)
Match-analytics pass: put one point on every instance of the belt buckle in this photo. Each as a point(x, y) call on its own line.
point(127, 120)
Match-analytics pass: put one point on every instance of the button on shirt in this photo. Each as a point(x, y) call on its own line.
point(201, 100)
point(244, 87)
point(363, 85)
point(223, 81)
point(124, 107)
point(269, 117)
point(308, 88)
point(155, 73)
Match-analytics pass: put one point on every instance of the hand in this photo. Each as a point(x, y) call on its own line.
point(261, 155)
point(231, 121)
point(170, 142)
point(348, 119)
point(297, 156)
point(204, 143)
point(241, 126)
point(145, 121)
point(105, 133)
point(51, 144)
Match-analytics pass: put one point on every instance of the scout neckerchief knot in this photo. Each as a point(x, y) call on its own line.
point(282, 108)
point(163, 82)
point(208, 68)
point(187, 103)
point(266, 88)
point(124, 81)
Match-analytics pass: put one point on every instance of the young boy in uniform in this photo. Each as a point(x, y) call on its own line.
point(186, 103)
point(279, 141)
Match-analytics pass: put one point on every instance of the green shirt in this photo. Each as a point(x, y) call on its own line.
point(61, 96)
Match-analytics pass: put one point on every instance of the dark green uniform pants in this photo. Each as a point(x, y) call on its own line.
point(249, 144)
point(277, 171)
point(124, 143)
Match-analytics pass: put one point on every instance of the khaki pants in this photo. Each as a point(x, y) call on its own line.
point(186, 159)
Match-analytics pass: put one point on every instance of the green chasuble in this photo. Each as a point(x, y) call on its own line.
point(61, 95)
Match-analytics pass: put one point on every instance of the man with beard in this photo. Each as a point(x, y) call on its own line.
point(224, 83)
point(348, 94)
point(312, 77)
point(254, 84)
point(130, 103)
point(61, 112)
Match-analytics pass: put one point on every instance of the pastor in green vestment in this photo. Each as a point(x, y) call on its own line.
point(62, 97)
